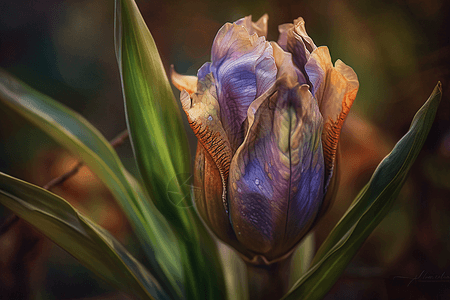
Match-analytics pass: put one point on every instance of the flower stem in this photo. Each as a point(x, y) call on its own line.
point(268, 282)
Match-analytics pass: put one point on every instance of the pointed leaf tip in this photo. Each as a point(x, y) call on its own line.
point(92, 245)
point(161, 149)
point(369, 208)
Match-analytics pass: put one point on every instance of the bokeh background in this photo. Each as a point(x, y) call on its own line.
point(399, 49)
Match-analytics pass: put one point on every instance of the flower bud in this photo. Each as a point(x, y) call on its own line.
point(268, 118)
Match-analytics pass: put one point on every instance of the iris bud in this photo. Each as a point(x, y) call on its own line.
point(268, 118)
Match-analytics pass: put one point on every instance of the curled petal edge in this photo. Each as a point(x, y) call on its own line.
point(259, 27)
point(335, 95)
point(203, 113)
point(183, 82)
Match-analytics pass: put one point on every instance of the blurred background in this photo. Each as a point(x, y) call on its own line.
point(399, 49)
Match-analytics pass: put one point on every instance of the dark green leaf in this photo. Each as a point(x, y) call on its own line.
point(369, 208)
point(77, 135)
point(153, 117)
point(86, 241)
point(161, 149)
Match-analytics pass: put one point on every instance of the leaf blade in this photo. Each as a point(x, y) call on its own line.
point(90, 244)
point(368, 209)
point(161, 150)
point(153, 117)
point(77, 135)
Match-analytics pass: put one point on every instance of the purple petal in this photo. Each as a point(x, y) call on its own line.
point(244, 68)
point(294, 39)
point(203, 71)
point(285, 66)
point(315, 74)
point(297, 31)
point(336, 89)
point(259, 27)
point(300, 30)
point(282, 39)
point(276, 176)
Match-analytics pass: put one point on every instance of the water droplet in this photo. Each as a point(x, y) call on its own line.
point(256, 181)
point(239, 233)
point(210, 118)
point(239, 190)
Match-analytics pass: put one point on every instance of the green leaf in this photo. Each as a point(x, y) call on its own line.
point(369, 208)
point(153, 117)
point(301, 258)
point(161, 149)
point(77, 135)
point(93, 246)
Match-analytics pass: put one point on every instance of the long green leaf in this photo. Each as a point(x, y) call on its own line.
point(93, 246)
point(161, 149)
point(153, 117)
point(369, 208)
point(77, 135)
